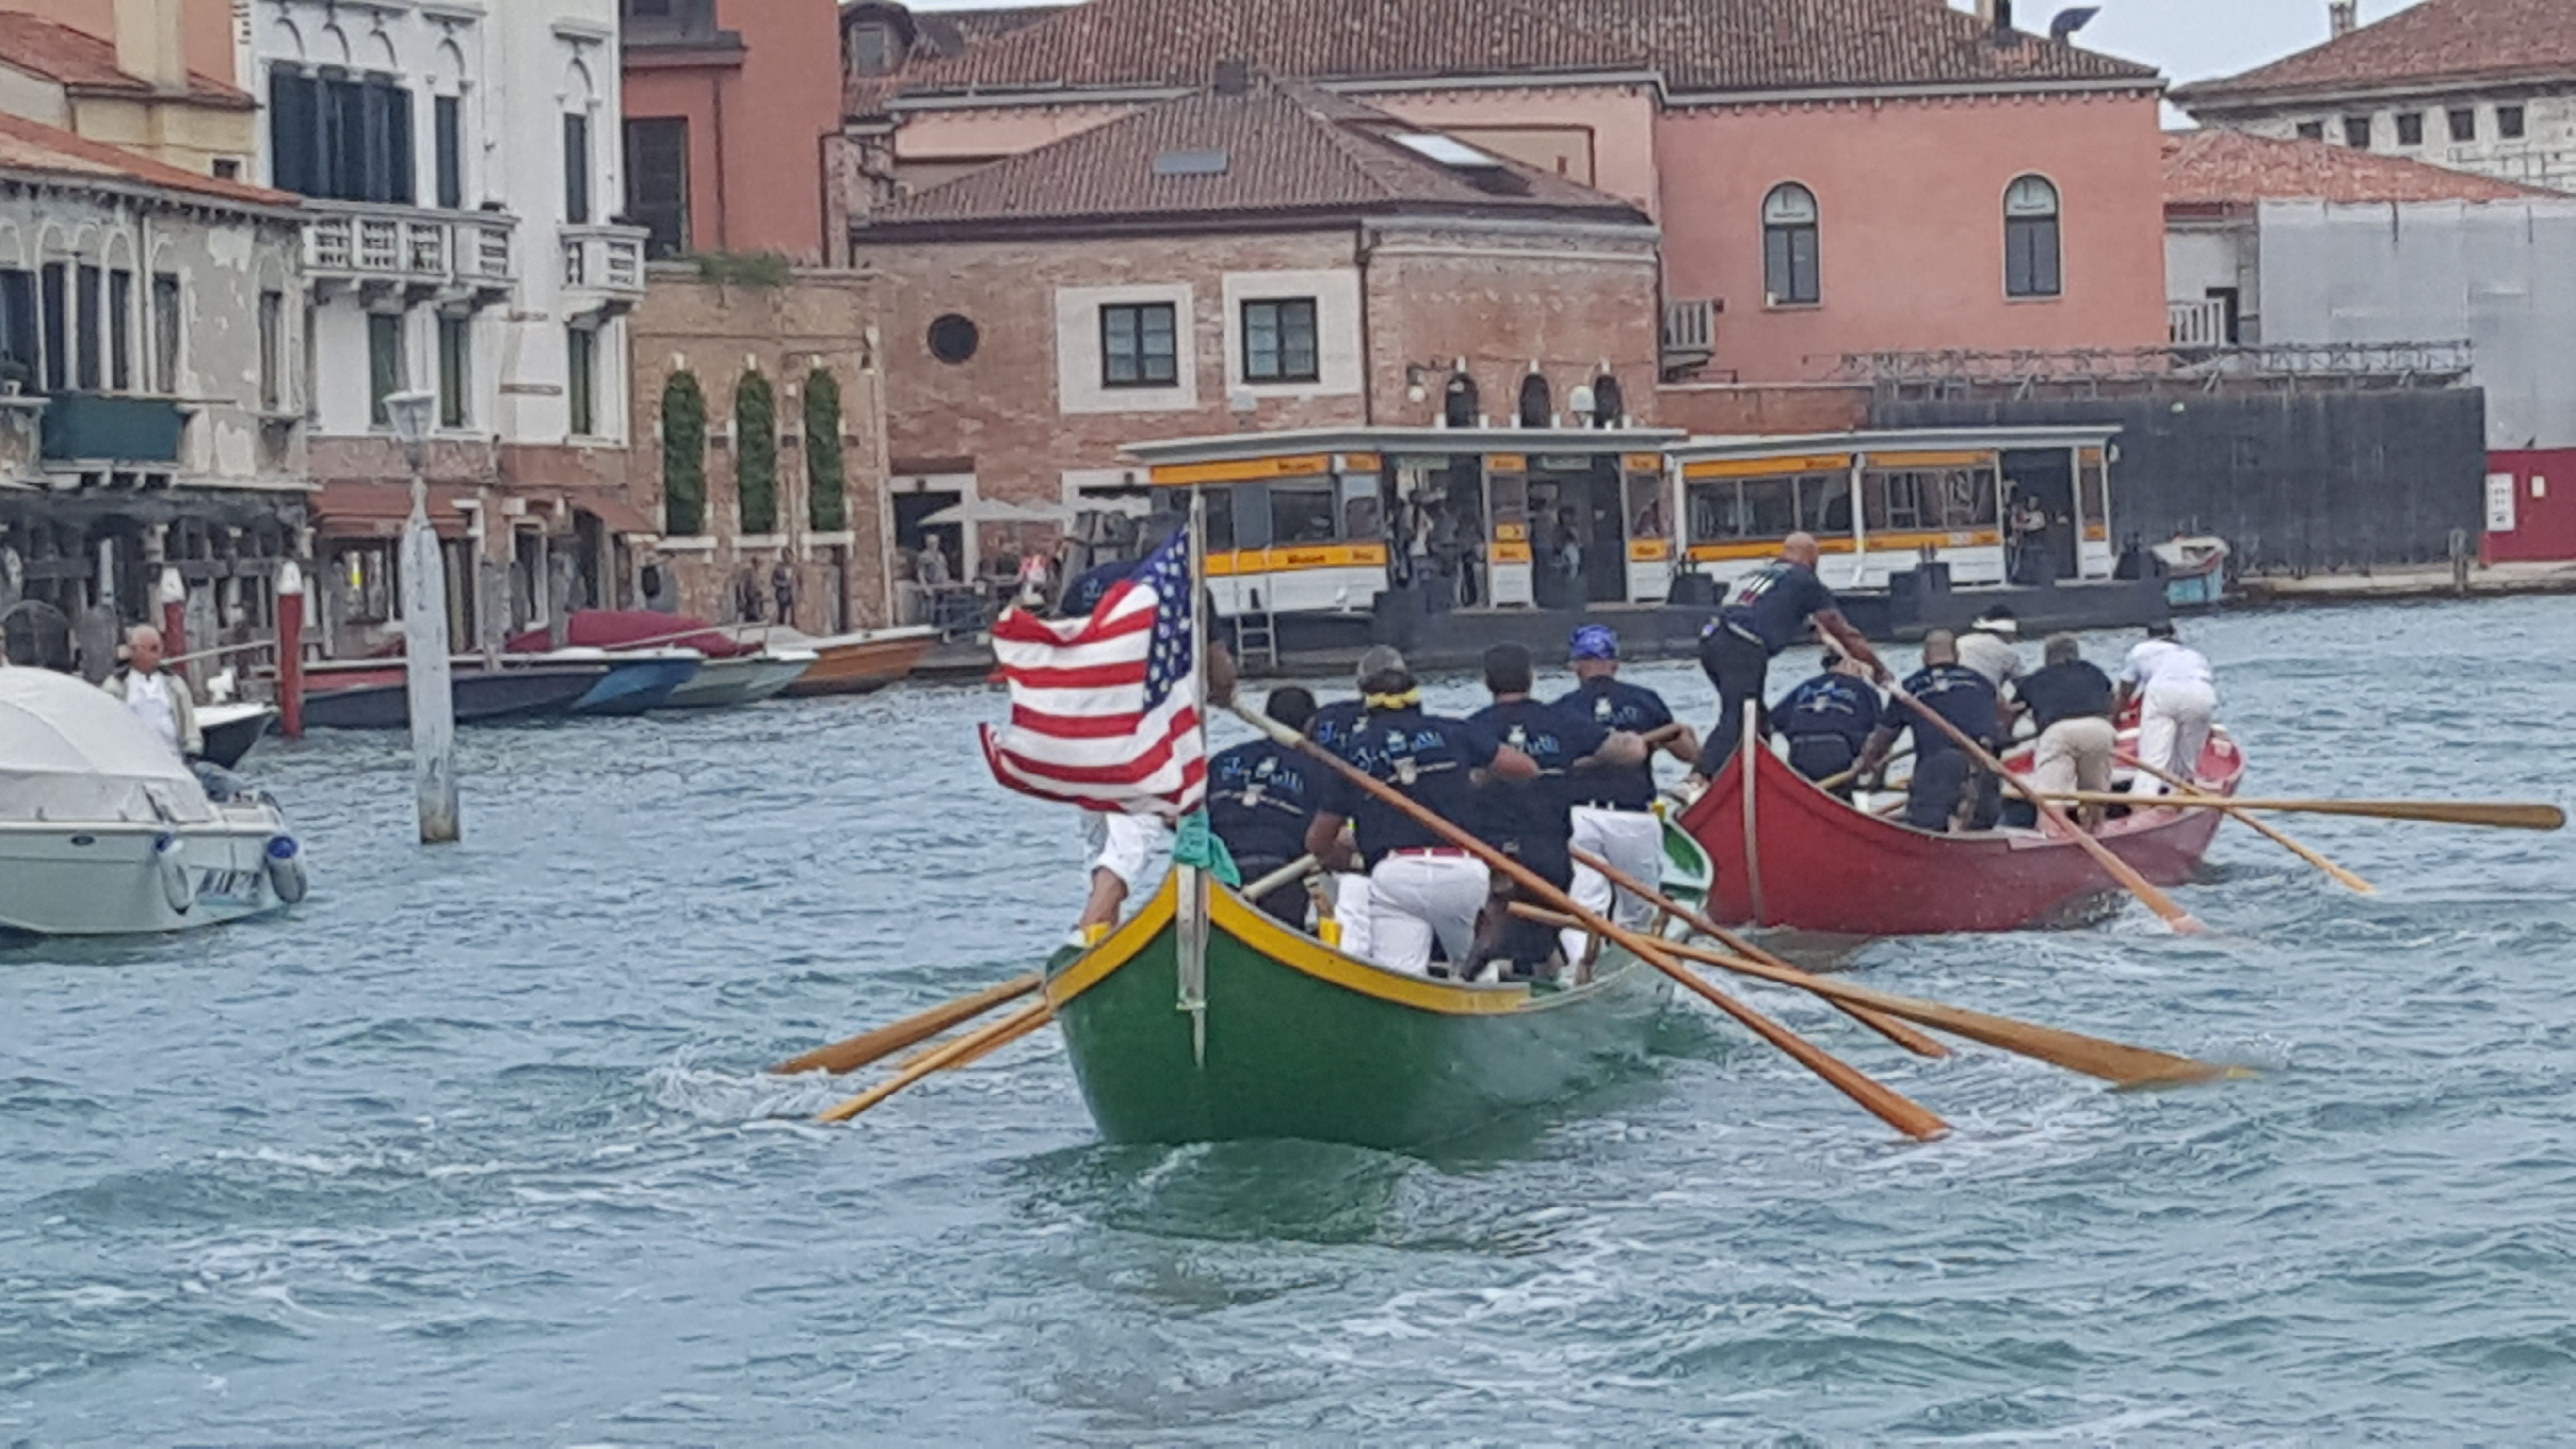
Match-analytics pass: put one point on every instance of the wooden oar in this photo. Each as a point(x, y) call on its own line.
point(2117, 1062)
point(2265, 828)
point(2119, 870)
point(1888, 1027)
point(1906, 1116)
point(991, 1036)
point(885, 1041)
point(1831, 783)
point(2501, 814)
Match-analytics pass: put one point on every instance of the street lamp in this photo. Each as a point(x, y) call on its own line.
point(408, 414)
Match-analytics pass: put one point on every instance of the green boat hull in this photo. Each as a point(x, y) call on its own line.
point(1303, 1042)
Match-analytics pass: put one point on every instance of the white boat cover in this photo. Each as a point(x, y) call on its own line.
point(70, 752)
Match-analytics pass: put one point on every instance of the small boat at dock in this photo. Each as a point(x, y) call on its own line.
point(743, 679)
point(854, 663)
point(373, 694)
point(636, 681)
point(1303, 1041)
point(230, 730)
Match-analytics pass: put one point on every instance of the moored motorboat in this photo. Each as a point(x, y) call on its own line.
point(1793, 855)
point(743, 679)
point(636, 681)
point(230, 730)
point(1303, 1041)
point(104, 831)
point(854, 663)
point(374, 695)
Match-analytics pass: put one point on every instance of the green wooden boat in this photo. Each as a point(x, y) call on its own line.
point(1303, 1041)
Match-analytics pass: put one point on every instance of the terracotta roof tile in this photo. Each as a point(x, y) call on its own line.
point(34, 147)
point(1697, 45)
point(85, 63)
point(2215, 167)
point(2436, 41)
point(1279, 148)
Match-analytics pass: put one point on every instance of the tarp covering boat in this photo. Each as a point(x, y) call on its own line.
point(633, 628)
point(70, 752)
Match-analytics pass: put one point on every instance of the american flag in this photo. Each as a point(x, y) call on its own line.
point(1104, 710)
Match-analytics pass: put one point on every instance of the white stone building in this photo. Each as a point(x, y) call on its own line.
point(460, 161)
point(2487, 86)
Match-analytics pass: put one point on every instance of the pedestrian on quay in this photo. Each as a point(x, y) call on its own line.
point(1422, 890)
point(1828, 721)
point(2177, 698)
point(1613, 815)
point(1261, 797)
point(1949, 790)
point(1533, 820)
point(1767, 611)
point(2070, 705)
point(157, 695)
point(782, 587)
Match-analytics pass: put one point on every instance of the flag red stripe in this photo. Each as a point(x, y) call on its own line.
point(1193, 781)
point(1018, 626)
point(1151, 760)
point(1094, 676)
point(1074, 726)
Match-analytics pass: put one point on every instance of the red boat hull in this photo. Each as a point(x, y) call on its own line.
point(1825, 866)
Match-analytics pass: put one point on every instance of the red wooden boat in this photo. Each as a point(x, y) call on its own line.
point(1821, 865)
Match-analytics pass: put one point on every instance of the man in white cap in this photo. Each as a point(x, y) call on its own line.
point(1992, 647)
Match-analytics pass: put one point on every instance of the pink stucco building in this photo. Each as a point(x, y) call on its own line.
point(1832, 177)
point(729, 106)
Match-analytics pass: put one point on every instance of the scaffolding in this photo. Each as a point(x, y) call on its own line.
point(2087, 372)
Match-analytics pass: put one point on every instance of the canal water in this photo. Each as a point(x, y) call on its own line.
point(474, 1147)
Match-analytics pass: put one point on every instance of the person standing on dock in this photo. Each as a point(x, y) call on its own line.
point(1421, 888)
point(1949, 790)
point(1613, 814)
point(1533, 820)
point(1261, 797)
point(157, 696)
point(1828, 721)
point(1766, 612)
point(2177, 697)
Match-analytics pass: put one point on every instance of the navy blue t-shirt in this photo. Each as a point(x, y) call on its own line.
point(1829, 704)
point(1774, 602)
point(1956, 693)
point(1260, 798)
point(2074, 690)
point(1091, 586)
point(1332, 725)
point(1529, 811)
point(1614, 704)
point(1425, 756)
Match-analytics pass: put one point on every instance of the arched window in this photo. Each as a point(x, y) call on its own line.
point(1458, 403)
point(1792, 272)
point(2030, 239)
point(1536, 401)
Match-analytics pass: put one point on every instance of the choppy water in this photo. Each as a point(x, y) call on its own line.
point(473, 1146)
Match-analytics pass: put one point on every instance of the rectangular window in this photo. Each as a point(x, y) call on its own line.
point(448, 121)
point(292, 120)
point(1300, 513)
point(2464, 123)
point(455, 371)
point(385, 115)
point(657, 182)
point(19, 328)
point(272, 351)
point(1138, 345)
point(2312, 130)
point(2030, 257)
point(345, 102)
point(2410, 129)
point(2356, 132)
point(1279, 341)
point(58, 327)
point(120, 330)
point(581, 377)
point(384, 363)
point(91, 311)
point(576, 148)
point(2509, 122)
point(1791, 270)
point(165, 333)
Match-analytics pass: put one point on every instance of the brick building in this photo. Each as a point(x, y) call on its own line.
point(1257, 255)
point(2487, 86)
point(727, 109)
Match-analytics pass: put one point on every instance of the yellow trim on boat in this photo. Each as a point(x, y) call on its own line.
point(1118, 947)
point(1236, 917)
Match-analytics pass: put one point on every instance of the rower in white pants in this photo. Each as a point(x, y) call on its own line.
point(1613, 815)
point(2177, 700)
point(1424, 895)
point(1632, 840)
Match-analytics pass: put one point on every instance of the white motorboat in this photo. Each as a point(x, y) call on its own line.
point(742, 679)
point(105, 831)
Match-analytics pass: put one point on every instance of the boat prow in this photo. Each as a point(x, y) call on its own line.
point(1302, 1041)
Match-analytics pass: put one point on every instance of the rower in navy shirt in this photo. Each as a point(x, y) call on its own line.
point(1767, 611)
point(1261, 797)
point(1828, 721)
point(1534, 819)
point(1420, 886)
point(1948, 786)
point(1613, 809)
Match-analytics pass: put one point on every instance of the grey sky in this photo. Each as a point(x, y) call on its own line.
point(2189, 39)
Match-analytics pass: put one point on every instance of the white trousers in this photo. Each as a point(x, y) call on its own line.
point(2074, 754)
point(1130, 847)
point(2173, 725)
point(1351, 910)
point(1416, 898)
point(1632, 840)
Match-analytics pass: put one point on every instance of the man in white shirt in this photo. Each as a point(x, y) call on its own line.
point(157, 696)
point(2176, 700)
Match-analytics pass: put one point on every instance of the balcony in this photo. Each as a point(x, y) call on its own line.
point(97, 427)
point(2198, 324)
point(358, 243)
point(1690, 336)
point(603, 267)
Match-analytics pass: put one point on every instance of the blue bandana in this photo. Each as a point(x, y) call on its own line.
point(1596, 641)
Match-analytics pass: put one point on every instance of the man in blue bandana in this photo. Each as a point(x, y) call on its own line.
point(1614, 805)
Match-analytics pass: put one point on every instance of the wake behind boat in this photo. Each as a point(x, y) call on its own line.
point(103, 831)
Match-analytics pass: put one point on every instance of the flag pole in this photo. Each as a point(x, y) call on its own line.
point(1193, 921)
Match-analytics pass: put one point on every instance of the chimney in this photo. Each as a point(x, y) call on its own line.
point(151, 42)
point(1233, 77)
point(1995, 15)
point(2342, 17)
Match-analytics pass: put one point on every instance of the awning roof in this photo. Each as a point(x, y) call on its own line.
point(354, 509)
